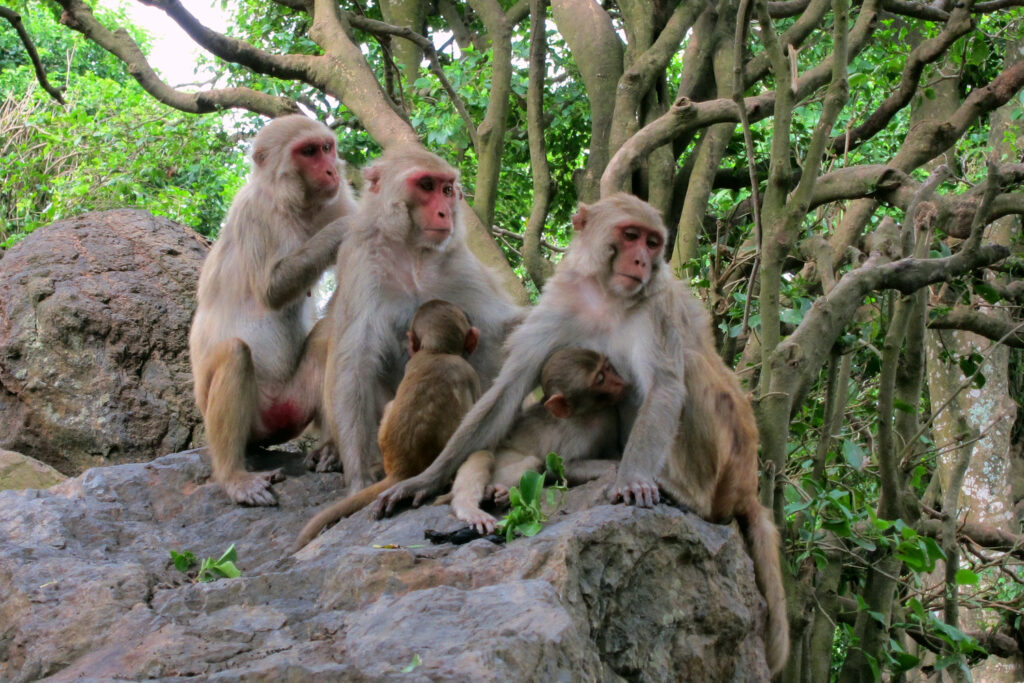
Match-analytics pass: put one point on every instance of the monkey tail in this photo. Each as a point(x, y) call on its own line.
point(763, 540)
point(343, 508)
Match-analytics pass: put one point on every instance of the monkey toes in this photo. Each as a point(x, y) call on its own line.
point(253, 488)
point(323, 459)
point(498, 493)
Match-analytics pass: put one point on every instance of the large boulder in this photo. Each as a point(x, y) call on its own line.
point(94, 320)
point(19, 471)
point(602, 593)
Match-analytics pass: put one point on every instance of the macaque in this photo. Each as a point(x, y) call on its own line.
point(404, 246)
point(577, 419)
point(437, 390)
point(691, 430)
point(257, 362)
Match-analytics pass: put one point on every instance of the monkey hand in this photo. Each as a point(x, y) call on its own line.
point(324, 458)
point(635, 490)
point(253, 488)
point(413, 488)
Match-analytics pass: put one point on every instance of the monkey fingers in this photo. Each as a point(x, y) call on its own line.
point(253, 488)
point(498, 493)
point(641, 492)
point(403, 490)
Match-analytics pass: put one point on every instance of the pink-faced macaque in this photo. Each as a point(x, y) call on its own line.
point(257, 362)
point(405, 245)
point(689, 427)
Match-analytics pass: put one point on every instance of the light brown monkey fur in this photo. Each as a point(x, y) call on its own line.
point(576, 418)
point(257, 368)
point(690, 427)
point(406, 245)
point(438, 388)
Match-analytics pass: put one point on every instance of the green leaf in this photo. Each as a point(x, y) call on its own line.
point(183, 561)
point(853, 454)
point(416, 661)
point(965, 577)
point(530, 485)
point(987, 292)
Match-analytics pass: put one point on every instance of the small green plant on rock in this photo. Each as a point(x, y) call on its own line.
point(526, 516)
point(209, 569)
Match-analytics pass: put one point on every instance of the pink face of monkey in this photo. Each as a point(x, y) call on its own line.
point(317, 163)
point(433, 199)
point(636, 248)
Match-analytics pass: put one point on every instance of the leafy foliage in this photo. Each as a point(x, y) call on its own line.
point(526, 516)
point(210, 569)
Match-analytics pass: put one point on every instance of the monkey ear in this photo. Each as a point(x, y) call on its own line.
point(372, 176)
point(558, 406)
point(579, 220)
point(472, 339)
point(259, 156)
point(414, 343)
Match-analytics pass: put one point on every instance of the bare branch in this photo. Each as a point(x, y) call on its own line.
point(15, 19)
point(538, 267)
point(969, 320)
point(918, 10)
point(287, 67)
point(79, 17)
point(922, 55)
point(382, 28)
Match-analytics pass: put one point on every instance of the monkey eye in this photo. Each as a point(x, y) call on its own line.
point(327, 147)
point(631, 234)
point(653, 242)
point(426, 183)
point(448, 190)
point(600, 378)
point(309, 150)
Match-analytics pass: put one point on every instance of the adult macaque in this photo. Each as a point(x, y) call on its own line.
point(405, 246)
point(690, 427)
point(577, 419)
point(437, 390)
point(257, 368)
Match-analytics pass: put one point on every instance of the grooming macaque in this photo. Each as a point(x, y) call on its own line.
point(690, 428)
point(437, 390)
point(577, 419)
point(405, 246)
point(257, 367)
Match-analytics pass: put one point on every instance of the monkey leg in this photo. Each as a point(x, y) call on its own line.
point(468, 490)
point(231, 409)
point(581, 471)
point(508, 470)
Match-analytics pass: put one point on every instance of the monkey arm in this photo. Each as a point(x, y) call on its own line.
point(651, 441)
point(294, 274)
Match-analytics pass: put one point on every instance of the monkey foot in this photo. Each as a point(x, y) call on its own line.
point(253, 488)
point(323, 459)
point(641, 492)
point(403, 490)
point(479, 520)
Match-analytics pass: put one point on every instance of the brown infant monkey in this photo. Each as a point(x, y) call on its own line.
point(438, 388)
point(577, 419)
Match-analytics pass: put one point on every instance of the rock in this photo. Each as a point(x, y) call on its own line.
point(19, 471)
point(603, 593)
point(94, 321)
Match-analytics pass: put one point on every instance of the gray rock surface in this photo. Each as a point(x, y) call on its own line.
point(603, 593)
point(94, 320)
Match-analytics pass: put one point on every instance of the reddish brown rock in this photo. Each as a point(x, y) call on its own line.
point(94, 320)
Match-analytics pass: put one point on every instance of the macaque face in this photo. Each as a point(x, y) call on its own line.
point(608, 382)
point(433, 198)
point(317, 163)
point(637, 250)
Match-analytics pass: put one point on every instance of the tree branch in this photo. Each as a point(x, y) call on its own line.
point(79, 17)
point(968, 320)
point(15, 19)
point(538, 268)
point(922, 55)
